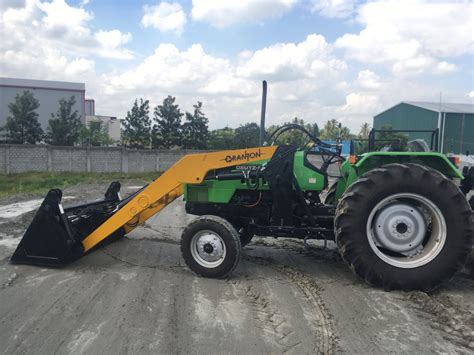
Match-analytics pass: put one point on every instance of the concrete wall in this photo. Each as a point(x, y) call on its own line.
point(24, 158)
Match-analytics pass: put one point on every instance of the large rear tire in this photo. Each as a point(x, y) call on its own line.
point(404, 226)
point(210, 246)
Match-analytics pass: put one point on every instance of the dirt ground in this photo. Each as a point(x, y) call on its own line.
point(137, 296)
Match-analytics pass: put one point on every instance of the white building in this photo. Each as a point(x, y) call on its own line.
point(111, 124)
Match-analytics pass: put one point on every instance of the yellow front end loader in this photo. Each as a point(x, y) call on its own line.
point(57, 236)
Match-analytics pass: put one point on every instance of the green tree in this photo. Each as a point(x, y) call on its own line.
point(65, 125)
point(195, 131)
point(395, 140)
point(166, 132)
point(295, 136)
point(330, 131)
point(364, 131)
point(361, 145)
point(136, 131)
point(313, 128)
point(247, 135)
point(221, 139)
point(23, 126)
point(94, 134)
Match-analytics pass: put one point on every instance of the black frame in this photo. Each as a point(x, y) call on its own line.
point(434, 142)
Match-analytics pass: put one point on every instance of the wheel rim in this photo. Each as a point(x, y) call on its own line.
point(406, 230)
point(208, 248)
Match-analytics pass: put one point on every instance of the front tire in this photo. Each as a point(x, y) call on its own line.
point(404, 226)
point(211, 247)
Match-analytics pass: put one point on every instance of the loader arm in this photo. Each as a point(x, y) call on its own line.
point(60, 235)
point(191, 169)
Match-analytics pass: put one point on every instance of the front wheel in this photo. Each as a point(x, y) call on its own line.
point(405, 227)
point(210, 246)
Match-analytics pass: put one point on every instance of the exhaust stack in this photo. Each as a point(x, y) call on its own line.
point(263, 112)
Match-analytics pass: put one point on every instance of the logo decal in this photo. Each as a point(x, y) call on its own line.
point(246, 156)
point(247, 167)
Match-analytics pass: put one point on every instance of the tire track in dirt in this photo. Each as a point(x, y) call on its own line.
point(267, 318)
point(456, 324)
point(444, 316)
point(327, 339)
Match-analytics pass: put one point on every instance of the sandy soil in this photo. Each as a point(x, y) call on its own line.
point(137, 296)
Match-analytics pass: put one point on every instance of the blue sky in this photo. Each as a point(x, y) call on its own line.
point(343, 59)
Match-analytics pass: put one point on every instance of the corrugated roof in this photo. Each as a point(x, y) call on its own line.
point(445, 107)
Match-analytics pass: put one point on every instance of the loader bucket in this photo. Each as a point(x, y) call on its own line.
point(55, 235)
point(48, 240)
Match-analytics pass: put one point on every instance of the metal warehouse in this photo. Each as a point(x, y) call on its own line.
point(454, 121)
point(48, 93)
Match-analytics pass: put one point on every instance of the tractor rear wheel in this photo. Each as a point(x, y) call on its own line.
point(210, 246)
point(404, 226)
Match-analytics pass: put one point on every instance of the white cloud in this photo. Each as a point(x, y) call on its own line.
point(194, 70)
point(291, 61)
point(304, 78)
point(411, 34)
point(40, 26)
point(309, 79)
point(170, 69)
point(333, 8)
point(5, 4)
point(367, 79)
point(228, 84)
point(111, 44)
point(471, 94)
point(420, 64)
point(359, 103)
point(79, 66)
point(223, 13)
point(58, 15)
point(165, 17)
point(445, 67)
point(53, 65)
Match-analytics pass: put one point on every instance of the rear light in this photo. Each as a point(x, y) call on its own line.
point(455, 159)
point(352, 159)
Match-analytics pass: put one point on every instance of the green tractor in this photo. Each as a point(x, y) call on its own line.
point(399, 219)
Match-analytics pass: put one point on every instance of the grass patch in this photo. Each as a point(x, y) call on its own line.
point(41, 182)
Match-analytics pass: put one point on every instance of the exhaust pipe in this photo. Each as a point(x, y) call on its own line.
point(263, 112)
